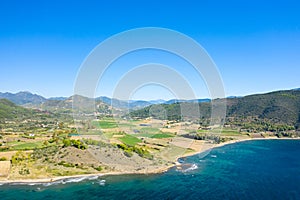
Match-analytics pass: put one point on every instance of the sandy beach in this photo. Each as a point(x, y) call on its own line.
point(206, 148)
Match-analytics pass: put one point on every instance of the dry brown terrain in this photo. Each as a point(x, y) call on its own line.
point(118, 162)
point(4, 169)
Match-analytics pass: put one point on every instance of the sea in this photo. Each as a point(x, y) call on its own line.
point(260, 169)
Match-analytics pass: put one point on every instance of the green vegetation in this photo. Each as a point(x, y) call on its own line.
point(276, 112)
point(98, 168)
point(9, 110)
point(105, 124)
point(95, 143)
point(27, 146)
point(149, 130)
point(216, 138)
point(128, 151)
point(48, 130)
point(230, 132)
point(148, 135)
point(74, 143)
point(65, 164)
point(162, 135)
point(19, 157)
point(130, 140)
point(3, 159)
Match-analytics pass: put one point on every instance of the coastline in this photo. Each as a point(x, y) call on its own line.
point(156, 171)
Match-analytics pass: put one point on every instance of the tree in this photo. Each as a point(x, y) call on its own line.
point(67, 142)
point(60, 125)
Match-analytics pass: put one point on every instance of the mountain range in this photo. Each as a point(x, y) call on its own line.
point(22, 98)
point(279, 107)
point(34, 100)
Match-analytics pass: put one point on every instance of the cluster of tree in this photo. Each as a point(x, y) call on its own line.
point(19, 157)
point(258, 125)
point(44, 152)
point(202, 136)
point(95, 143)
point(129, 150)
point(75, 143)
point(173, 112)
point(287, 134)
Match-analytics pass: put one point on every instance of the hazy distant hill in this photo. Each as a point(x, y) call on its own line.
point(116, 103)
point(22, 98)
point(57, 98)
point(138, 104)
point(65, 104)
point(186, 101)
point(36, 101)
point(82, 104)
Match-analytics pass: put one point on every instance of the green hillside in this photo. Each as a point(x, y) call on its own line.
point(281, 107)
point(278, 107)
point(8, 110)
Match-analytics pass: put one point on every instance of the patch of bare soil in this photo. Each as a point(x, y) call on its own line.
point(118, 161)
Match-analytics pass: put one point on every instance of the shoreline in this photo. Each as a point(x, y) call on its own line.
point(157, 171)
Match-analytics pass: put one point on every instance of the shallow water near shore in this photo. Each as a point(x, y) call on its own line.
point(262, 169)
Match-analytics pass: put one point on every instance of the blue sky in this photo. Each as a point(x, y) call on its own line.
point(255, 44)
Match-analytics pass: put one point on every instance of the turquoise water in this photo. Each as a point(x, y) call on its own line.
point(264, 169)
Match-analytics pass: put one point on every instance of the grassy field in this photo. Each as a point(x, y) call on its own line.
point(225, 132)
point(149, 130)
point(127, 125)
point(27, 146)
point(130, 140)
point(162, 135)
point(148, 135)
point(105, 124)
point(230, 132)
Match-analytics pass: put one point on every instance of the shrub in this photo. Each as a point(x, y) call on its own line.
point(99, 168)
point(128, 153)
point(3, 159)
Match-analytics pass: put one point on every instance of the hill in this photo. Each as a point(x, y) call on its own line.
point(122, 104)
point(84, 104)
point(9, 110)
point(280, 107)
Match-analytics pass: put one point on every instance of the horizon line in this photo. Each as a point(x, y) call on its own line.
point(158, 99)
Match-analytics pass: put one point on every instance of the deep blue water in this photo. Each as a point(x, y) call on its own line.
point(264, 169)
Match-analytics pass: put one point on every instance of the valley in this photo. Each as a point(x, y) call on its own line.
point(43, 140)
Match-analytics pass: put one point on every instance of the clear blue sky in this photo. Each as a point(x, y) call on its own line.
point(255, 44)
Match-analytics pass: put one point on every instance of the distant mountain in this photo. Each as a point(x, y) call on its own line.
point(187, 101)
point(58, 98)
point(22, 98)
point(281, 106)
point(66, 104)
point(233, 97)
point(122, 104)
point(158, 101)
point(138, 104)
